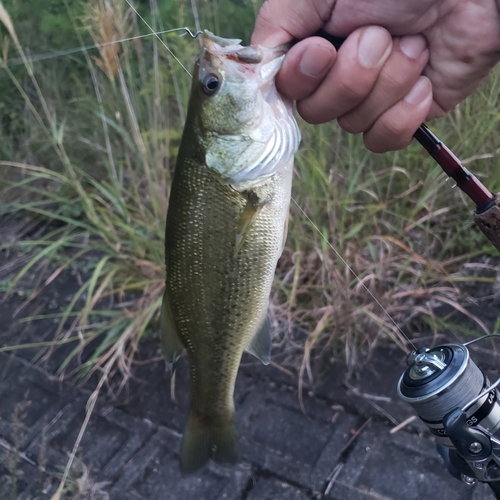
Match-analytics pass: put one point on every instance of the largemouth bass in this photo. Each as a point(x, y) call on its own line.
point(226, 228)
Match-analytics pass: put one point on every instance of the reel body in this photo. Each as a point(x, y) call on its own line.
point(459, 406)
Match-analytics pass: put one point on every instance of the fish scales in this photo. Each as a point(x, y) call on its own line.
point(226, 227)
point(227, 293)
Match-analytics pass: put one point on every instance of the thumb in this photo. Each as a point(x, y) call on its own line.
point(281, 21)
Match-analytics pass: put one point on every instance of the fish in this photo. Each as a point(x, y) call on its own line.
point(226, 229)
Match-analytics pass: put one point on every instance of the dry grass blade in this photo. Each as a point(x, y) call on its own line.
point(403, 424)
point(89, 410)
point(370, 401)
point(107, 22)
point(464, 311)
point(7, 22)
point(311, 341)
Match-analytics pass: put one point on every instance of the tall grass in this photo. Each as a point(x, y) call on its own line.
point(97, 157)
point(111, 200)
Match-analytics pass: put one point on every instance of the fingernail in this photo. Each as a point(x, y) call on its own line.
point(315, 60)
point(419, 91)
point(412, 45)
point(374, 46)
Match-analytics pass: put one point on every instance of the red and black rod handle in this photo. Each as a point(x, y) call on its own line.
point(466, 181)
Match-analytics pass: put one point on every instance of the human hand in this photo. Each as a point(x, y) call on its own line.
point(402, 62)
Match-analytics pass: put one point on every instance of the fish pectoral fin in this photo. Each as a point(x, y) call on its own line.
point(170, 339)
point(250, 212)
point(260, 345)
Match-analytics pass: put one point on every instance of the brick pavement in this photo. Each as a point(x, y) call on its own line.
point(130, 447)
point(285, 454)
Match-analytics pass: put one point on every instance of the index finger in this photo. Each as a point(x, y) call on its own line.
point(281, 21)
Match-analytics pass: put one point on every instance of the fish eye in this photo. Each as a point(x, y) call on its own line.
point(210, 84)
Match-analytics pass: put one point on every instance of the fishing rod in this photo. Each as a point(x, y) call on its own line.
point(487, 213)
point(445, 387)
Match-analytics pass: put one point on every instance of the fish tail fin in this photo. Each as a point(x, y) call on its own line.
point(204, 439)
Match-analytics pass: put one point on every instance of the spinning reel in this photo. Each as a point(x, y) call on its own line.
point(460, 406)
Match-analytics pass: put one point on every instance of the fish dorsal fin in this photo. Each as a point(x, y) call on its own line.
point(260, 345)
point(250, 212)
point(170, 340)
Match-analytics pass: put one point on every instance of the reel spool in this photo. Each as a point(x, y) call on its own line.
point(459, 406)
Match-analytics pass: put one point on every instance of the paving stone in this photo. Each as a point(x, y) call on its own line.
point(377, 378)
point(20, 480)
point(48, 419)
point(273, 489)
point(154, 473)
point(109, 442)
point(392, 467)
point(276, 435)
point(29, 401)
point(150, 397)
point(482, 492)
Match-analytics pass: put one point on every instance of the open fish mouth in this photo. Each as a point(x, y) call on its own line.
point(245, 58)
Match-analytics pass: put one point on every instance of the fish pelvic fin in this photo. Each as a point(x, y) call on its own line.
point(207, 438)
point(170, 339)
point(261, 344)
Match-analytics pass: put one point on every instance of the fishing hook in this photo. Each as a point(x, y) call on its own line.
point(190, 33)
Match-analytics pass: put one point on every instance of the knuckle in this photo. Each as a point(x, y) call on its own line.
point(351, 124)
point(397, 81)
point(353, 92)
point(394, 128)
point(311, 114)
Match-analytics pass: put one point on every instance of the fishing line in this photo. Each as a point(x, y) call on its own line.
point(163, 43)
point(353, 273)
point(59, 53)
point(52, 55)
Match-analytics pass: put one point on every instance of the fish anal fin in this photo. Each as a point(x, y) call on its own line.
point(207, 438)
point(260, 345)
point(250, 212)
point(170, 340)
